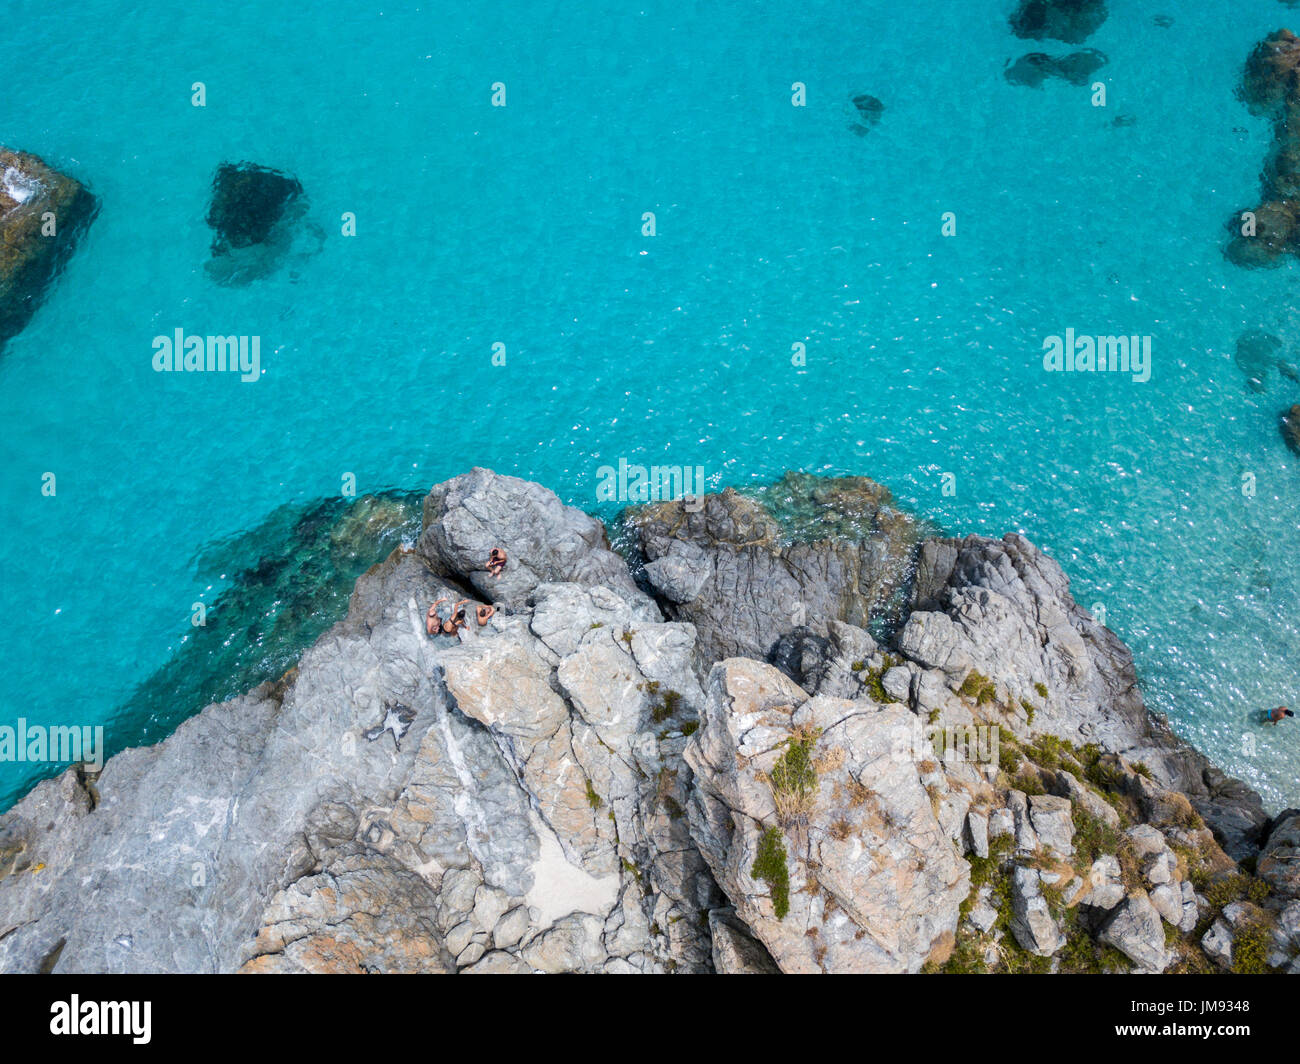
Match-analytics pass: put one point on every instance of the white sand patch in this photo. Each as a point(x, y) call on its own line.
point(560, 888)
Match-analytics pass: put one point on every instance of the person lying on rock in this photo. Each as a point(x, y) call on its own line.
point(496, 562)
point(1274, 716)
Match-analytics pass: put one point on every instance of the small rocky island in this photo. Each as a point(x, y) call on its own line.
point(699, 761)
point(42, 215)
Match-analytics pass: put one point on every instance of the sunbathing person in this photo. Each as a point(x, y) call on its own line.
point(433, 619)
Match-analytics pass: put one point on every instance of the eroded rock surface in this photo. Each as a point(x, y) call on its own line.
point(583, 784)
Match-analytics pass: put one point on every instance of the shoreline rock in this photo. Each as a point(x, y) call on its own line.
point(32, 198)
point(593, 781)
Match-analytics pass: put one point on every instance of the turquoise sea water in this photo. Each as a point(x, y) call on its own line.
point(776, 224)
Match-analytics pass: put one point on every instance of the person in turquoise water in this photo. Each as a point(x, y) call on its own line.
point(1274, 716)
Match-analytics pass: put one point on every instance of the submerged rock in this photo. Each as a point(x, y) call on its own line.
point(1257, 353)
point(287, 580)
point(1071, 21)
point(1270, 86)
point(257, 214)
point(867, 112)
point(248, 201)
point(869, 108)
point(1035, 68)
point(43, 213)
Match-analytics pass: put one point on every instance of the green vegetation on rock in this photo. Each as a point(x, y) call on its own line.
point(770, 867)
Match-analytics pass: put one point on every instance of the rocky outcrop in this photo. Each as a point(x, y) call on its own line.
point(746, 572)
point(853, 873)
point(546, 542)
point(589, 782)
point(1270, 87)
point(42, 215)
point(528, 816)
point(1279, 859)
point(1003, 610)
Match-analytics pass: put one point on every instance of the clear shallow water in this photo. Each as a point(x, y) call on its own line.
point(775, 225)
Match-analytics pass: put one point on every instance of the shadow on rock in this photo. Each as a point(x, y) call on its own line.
point(797, 556)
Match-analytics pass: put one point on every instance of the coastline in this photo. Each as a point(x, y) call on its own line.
point(636, 727)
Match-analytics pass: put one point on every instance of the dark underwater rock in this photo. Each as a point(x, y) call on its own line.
point(867, 111)
point(1032, 69)
point(29, 259)
point(258, 215)
point(247, 202)
point(1269, 79)
point(1257, 352)
point(1071, 21)
point(1036, 67)
point(288, 580)
point(1277, 226)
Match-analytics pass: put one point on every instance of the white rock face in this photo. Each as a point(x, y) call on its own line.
point(1032, 923)
point(874, 880)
